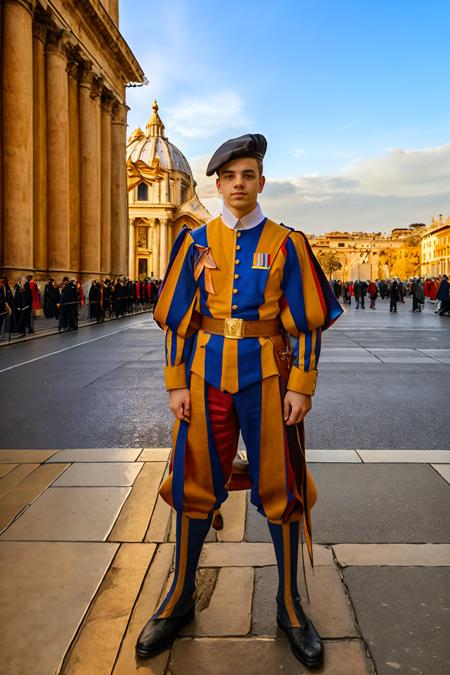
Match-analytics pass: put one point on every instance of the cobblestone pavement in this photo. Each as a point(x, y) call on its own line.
point(86, 551)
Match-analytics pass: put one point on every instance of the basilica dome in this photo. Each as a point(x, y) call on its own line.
point(161, 198)
point(153, 148)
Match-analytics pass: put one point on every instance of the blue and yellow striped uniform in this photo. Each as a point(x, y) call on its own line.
point(264, 272)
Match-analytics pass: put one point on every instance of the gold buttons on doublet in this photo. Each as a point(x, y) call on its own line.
point(238, 234)
point(236, 276)
point(235, 290)
point(237, 261)
point(234, 306)
point(238, 248)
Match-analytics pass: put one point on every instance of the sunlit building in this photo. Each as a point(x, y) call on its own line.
point(362, 255)
point(162, 198)
point(65, 68)
point(436, 248)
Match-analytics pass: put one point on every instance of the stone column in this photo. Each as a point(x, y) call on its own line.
point(57, 153)
point(17, 137)
point(119, 210)
point(106, 192)
point(169, 238)
point(39, 148)
point(156, 248)
point(90, 180)
point(163, 247)
point(132, 250)
point(74, 161)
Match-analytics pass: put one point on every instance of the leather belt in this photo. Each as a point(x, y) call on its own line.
point(238, 329)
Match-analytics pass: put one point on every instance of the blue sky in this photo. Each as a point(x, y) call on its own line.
point(353, 96)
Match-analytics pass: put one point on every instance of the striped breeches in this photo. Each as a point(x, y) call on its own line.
point(204, 450)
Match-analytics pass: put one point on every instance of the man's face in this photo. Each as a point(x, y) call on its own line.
point(239, 183)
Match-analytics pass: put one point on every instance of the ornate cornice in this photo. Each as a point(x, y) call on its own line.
point(112, 40)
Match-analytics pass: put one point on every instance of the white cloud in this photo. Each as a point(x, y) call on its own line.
point(396, 189)
point(298, 152)
point(406, 172)
point(203, 117)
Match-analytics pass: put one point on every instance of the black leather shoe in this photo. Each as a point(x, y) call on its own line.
point(306, 644)
point(159, 634)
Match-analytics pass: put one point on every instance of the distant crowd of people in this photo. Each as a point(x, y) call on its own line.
point(21, 302)
point(435, 289)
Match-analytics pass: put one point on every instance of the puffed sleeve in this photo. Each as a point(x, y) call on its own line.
point(308, 307)
point(177, 299)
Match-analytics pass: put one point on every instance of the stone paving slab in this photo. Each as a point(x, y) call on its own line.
point(376, 503)
point(134, 519)
point(257, 656)
point(404, 618)
point(405, 456)
point(26, 456)
point(13, 502)
point(154, 455)
point(441, 355)
point(444, 470)
point(333, 456)
point(98, 643)
point(127, 662)
point(350, 358)
point(97, 455)
point(45, 589)
point(329, 609)
point(69, 514)
point(105, 474)
point(230, 609)
point(233, 513)
point(421, 555)
point(245, 554)
point(13, 478)
point(6, 468)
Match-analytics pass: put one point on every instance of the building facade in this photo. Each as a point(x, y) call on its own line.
point(436, 248)
point(363, 255)
point(65, 68)
point(162, 198)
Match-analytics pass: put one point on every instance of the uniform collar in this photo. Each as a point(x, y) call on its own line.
point(248, 221)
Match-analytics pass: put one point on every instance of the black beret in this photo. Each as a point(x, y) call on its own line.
point(249, 145)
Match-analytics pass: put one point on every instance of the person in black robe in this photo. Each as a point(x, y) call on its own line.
point(51, 300)
point(68, 318)
point(120, 301)
point(393, 296)
point(95, 302)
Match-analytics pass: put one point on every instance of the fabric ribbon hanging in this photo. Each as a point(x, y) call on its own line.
point(206, 262)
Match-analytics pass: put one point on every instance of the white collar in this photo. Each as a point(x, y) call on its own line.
point(248, 221)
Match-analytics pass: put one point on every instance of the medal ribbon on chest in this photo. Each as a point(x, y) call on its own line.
point(261, 261)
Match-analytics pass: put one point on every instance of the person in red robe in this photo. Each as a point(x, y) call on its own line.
point(36, 306)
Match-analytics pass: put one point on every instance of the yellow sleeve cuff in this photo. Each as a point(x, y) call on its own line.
point(301, 382)
point(175, 377)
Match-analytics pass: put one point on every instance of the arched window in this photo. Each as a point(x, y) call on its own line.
point(142, 192)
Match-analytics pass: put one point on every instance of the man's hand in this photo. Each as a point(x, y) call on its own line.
point(296, 406)
point(180, 404)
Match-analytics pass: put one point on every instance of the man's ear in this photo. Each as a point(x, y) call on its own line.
point(262, 182)
point(218, 184)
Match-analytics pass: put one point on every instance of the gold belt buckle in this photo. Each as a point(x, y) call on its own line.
point(234, 328)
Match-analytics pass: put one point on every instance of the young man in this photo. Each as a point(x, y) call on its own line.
point(240, 296)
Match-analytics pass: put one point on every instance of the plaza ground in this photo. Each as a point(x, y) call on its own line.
point(86, 545)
